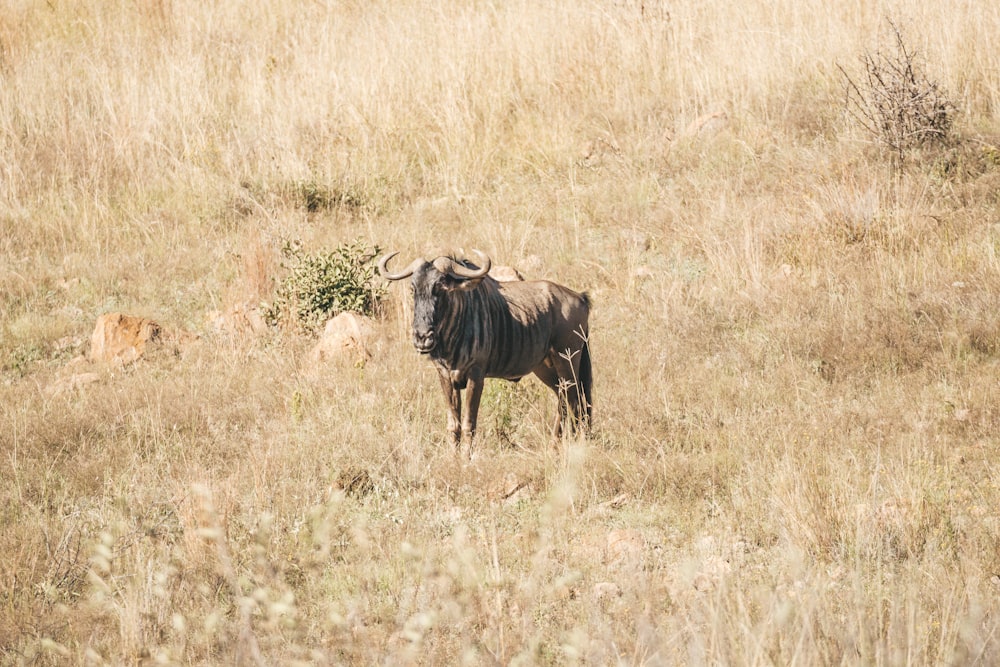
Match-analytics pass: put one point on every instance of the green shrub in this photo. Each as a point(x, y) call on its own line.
point(323, 284)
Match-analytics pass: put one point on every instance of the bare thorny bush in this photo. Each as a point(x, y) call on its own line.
point(897, 103)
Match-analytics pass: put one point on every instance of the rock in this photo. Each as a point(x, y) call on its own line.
point(505, 274)
point(346, 334)
point(122, 338)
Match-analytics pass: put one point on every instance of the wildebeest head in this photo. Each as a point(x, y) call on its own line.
point(433, 284)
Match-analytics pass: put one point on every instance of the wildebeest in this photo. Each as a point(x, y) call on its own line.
point(473, 327)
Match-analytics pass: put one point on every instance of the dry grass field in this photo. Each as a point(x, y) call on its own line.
point(796, 336)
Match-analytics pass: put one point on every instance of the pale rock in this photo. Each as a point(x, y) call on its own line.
point(347, 334)
point(122, 338)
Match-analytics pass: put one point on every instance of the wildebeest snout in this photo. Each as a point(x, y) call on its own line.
point(424, 341)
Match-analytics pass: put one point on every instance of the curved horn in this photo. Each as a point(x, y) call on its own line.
point(456, 270)
point(405, 273)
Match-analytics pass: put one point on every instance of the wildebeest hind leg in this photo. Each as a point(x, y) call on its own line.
point(548, 375)
point(571, 390)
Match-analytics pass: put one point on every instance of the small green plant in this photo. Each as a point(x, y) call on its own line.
point(897, 103)
point(22, 358)
point(323, 284)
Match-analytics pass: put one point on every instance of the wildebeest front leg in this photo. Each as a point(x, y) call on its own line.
point(473, 394)
point(453, 397)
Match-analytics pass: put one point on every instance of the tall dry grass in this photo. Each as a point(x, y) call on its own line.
point(795, 345)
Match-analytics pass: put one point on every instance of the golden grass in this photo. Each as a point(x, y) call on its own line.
point(795, 345)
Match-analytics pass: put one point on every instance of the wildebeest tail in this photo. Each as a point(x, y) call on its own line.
point(586, 381)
